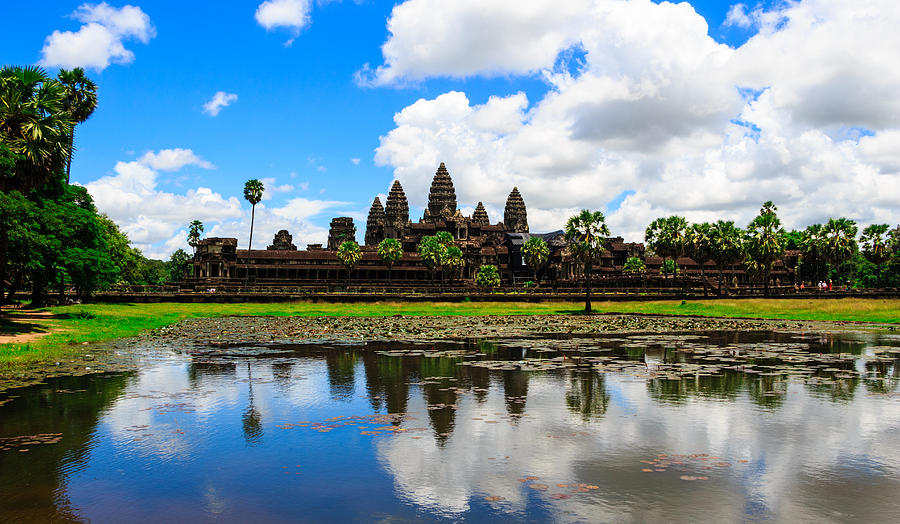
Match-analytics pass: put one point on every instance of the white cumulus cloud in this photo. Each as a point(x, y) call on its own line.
point(293, 14)
point(219, 101)
point(173, 160)
point(101, 40)
point(652, 113)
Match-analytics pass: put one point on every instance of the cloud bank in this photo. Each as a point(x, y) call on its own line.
point(644, 107)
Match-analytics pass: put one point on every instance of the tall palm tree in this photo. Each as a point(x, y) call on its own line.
point(765, 240)
point(34, 125)
point(585, 233)
point(840, 241)
point(699, 247)
point(535, 252)
point(194, 232)
point(668, 237)
point(253, 192)
point(727, 249)
point(349, 254)
point(875, 244)
point(812, 250)
point(390, 251)
point(80, 103)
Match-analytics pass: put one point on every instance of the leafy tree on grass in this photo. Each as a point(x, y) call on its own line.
point(177, 265)
point(452, 261)
point(390, 251)
point(535, 252)
point(349, 255)
point(699, 247)
point(875, 245)
point(487, 277)
point(253, 193)
point(585, 233)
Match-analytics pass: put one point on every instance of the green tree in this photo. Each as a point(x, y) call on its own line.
point(727, 248)
point(585, 233)
point(535, 252)
point(668, 237)
point(875, 246)
point(80, 103)
point(452, 261)
point(390, 251)
point(253, 193)
point(813, 253)
point(194, 231)
point(634, 266)
point(349, 254)
point(34, 126)
point(430, 252)
point(840, 242)
point(487, 277)
point(765, 240)
point(177, 265)
point(698, 247)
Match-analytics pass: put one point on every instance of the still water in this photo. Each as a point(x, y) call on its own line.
point(718, 427)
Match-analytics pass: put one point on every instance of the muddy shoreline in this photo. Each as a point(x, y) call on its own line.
point(126, 354)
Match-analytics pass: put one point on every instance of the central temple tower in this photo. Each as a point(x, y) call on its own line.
point(442, 197)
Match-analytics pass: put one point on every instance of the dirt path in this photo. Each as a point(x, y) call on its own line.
point(20, 327)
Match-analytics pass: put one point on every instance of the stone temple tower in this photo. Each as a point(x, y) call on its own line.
point(442, 197)
point(480, 216)
point(396, 212)
point(375, 223)
point(515, 217)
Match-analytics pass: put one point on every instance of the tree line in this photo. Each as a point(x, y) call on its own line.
point(52, 239)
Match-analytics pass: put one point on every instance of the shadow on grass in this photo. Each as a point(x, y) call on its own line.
point(11, 327)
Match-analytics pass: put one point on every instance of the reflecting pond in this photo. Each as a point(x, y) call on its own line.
point(734, 426)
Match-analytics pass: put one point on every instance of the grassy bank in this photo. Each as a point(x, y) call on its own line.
point(70, 326)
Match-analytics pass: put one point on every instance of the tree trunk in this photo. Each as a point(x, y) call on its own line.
point(4, 250)
point(766, 284)
point(252, 218)
point(587, 297)
point(37, 289)
point(71, 152)
point(703, 279)
point(721, 274)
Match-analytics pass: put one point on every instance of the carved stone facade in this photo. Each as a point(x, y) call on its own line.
point(396, 212)
point(515, 218)
point(480, 216)
point(341, 230)
point(282, 242)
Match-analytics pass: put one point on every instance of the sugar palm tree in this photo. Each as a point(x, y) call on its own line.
point(535, 252)
point(585, 233)
point(727, 249)
point(668, 237)
point(194, 231)
point(698, 246)
point(812, 250)
point(253, 192)
point(840, 241)
point(80, 103)
point(875, 243)
point(349, 255)
point(765, 240)
point(390, 251)
point(34, 125)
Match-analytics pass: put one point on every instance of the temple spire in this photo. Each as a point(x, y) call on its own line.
point(480, 216)
point(442, 197)
point(396, 211)
point(375, 223)
point(515, 218)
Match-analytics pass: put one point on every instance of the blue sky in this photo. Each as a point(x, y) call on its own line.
point(302, 114)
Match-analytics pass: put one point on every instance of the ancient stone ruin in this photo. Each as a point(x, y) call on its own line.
point(282, 242)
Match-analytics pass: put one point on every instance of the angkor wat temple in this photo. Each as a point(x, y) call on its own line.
point(218, 261)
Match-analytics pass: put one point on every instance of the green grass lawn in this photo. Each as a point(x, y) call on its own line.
point(70, 326)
